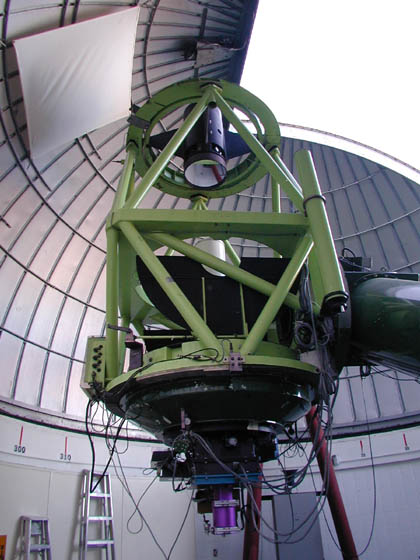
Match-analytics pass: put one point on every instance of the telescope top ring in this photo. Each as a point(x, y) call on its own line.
point(170, 99)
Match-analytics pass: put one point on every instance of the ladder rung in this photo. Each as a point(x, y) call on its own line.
point(102, 495)
point(99, 518)
point(37, 547)
point(100, 543)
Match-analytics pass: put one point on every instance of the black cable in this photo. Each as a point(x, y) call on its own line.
point(127, 439)
point(373, 475)
point(384, 373)
point(109, 443)
point(101, 477)
point(257, 512)
point(352, 263)
point(344, 249)
point(182, 526)
point(301, 473)
point(92, 446)
point(374, 488)
point(92, 418)
point(142, 517)
point(179, 488)
point(174, 474)
point(152, 534)
point(315, 449)
point(212, 454)
point(136, 504)
point(292, 511)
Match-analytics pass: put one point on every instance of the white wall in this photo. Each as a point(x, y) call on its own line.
point(38, 482)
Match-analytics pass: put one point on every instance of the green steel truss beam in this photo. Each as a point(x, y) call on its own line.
point(279, 231)
point(112, 289)
point(277, 297)
point(171, 288)
point(232, 253)
point(241, 276)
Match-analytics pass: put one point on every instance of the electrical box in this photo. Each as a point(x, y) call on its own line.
point(289, 511)
point(94, 368)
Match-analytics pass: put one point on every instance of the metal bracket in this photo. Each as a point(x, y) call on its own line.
point(308, 198)
point(235, 361)
point(136, 351)
point(185, 420)
point(225, 503)
point(136, 347)
point(209, 53)
point(138, 122)
point(118, 328)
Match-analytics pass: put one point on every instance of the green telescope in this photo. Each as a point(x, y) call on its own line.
point(201, 343)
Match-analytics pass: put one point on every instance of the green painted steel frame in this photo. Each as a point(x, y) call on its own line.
point(132, 231)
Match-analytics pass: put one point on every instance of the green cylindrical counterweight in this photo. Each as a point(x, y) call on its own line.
point(386, 323)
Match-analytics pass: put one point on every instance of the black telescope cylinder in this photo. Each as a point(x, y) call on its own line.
point(205, 150)
point(207, 135)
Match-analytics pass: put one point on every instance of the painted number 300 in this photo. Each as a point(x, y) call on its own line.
point(19, 449)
